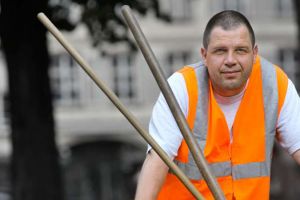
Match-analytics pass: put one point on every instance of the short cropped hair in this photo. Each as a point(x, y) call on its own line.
point(228, 20)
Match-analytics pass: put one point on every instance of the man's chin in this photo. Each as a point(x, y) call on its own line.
point(233, 86)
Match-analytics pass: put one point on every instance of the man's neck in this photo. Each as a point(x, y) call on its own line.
point(225, 100)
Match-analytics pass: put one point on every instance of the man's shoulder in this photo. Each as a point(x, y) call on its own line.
point(196, 65)
point(191, 67)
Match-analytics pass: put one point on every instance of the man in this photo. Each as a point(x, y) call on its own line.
point(235, 102)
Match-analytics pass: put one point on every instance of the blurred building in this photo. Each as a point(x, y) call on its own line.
point(84, 115)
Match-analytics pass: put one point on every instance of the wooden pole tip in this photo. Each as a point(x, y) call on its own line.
point(125, 7)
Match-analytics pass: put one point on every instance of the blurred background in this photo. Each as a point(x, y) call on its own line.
point(61, 138)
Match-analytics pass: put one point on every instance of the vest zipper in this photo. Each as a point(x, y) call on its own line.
point(230, 157)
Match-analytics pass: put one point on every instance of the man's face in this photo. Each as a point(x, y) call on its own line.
point(229, 58)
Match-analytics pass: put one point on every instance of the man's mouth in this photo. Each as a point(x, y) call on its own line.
point(230, 71)
point(231, 74)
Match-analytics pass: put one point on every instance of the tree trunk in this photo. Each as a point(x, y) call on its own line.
point(34, 161)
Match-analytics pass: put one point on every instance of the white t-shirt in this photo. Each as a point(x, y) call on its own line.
point(164, 130)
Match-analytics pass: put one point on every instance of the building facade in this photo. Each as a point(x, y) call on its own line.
point(83, 113)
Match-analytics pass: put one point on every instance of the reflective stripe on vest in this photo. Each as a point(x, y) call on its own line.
point(221, 169)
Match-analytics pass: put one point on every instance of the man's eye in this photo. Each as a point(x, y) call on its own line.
point(220, 51)
point(241, 51)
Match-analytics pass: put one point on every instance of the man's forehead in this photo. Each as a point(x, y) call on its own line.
point(239, 31)
point(238, 36)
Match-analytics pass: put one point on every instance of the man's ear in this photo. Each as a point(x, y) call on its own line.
point(203, 53)
point(255, 52)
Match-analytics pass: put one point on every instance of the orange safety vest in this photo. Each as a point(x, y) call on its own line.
point(242, 167)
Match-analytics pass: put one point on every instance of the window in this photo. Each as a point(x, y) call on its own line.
point(218, 6)
point(178, 10)
point(176, 60)
point(64, 79)
point(288, 59)
point(267, 9)
point(123, 76)
point(284, 8)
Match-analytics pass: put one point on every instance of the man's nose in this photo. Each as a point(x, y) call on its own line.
point(230, 59)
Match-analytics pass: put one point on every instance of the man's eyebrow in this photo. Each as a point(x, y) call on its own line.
point(219, 47)
point(242, 47)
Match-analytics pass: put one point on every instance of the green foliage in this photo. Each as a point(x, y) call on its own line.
point(103, 18)
point(104, 21)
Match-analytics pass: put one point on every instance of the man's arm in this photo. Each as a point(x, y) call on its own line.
point(151, 178)
point(164, 130)
point(296, 156)
point(288, 123)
